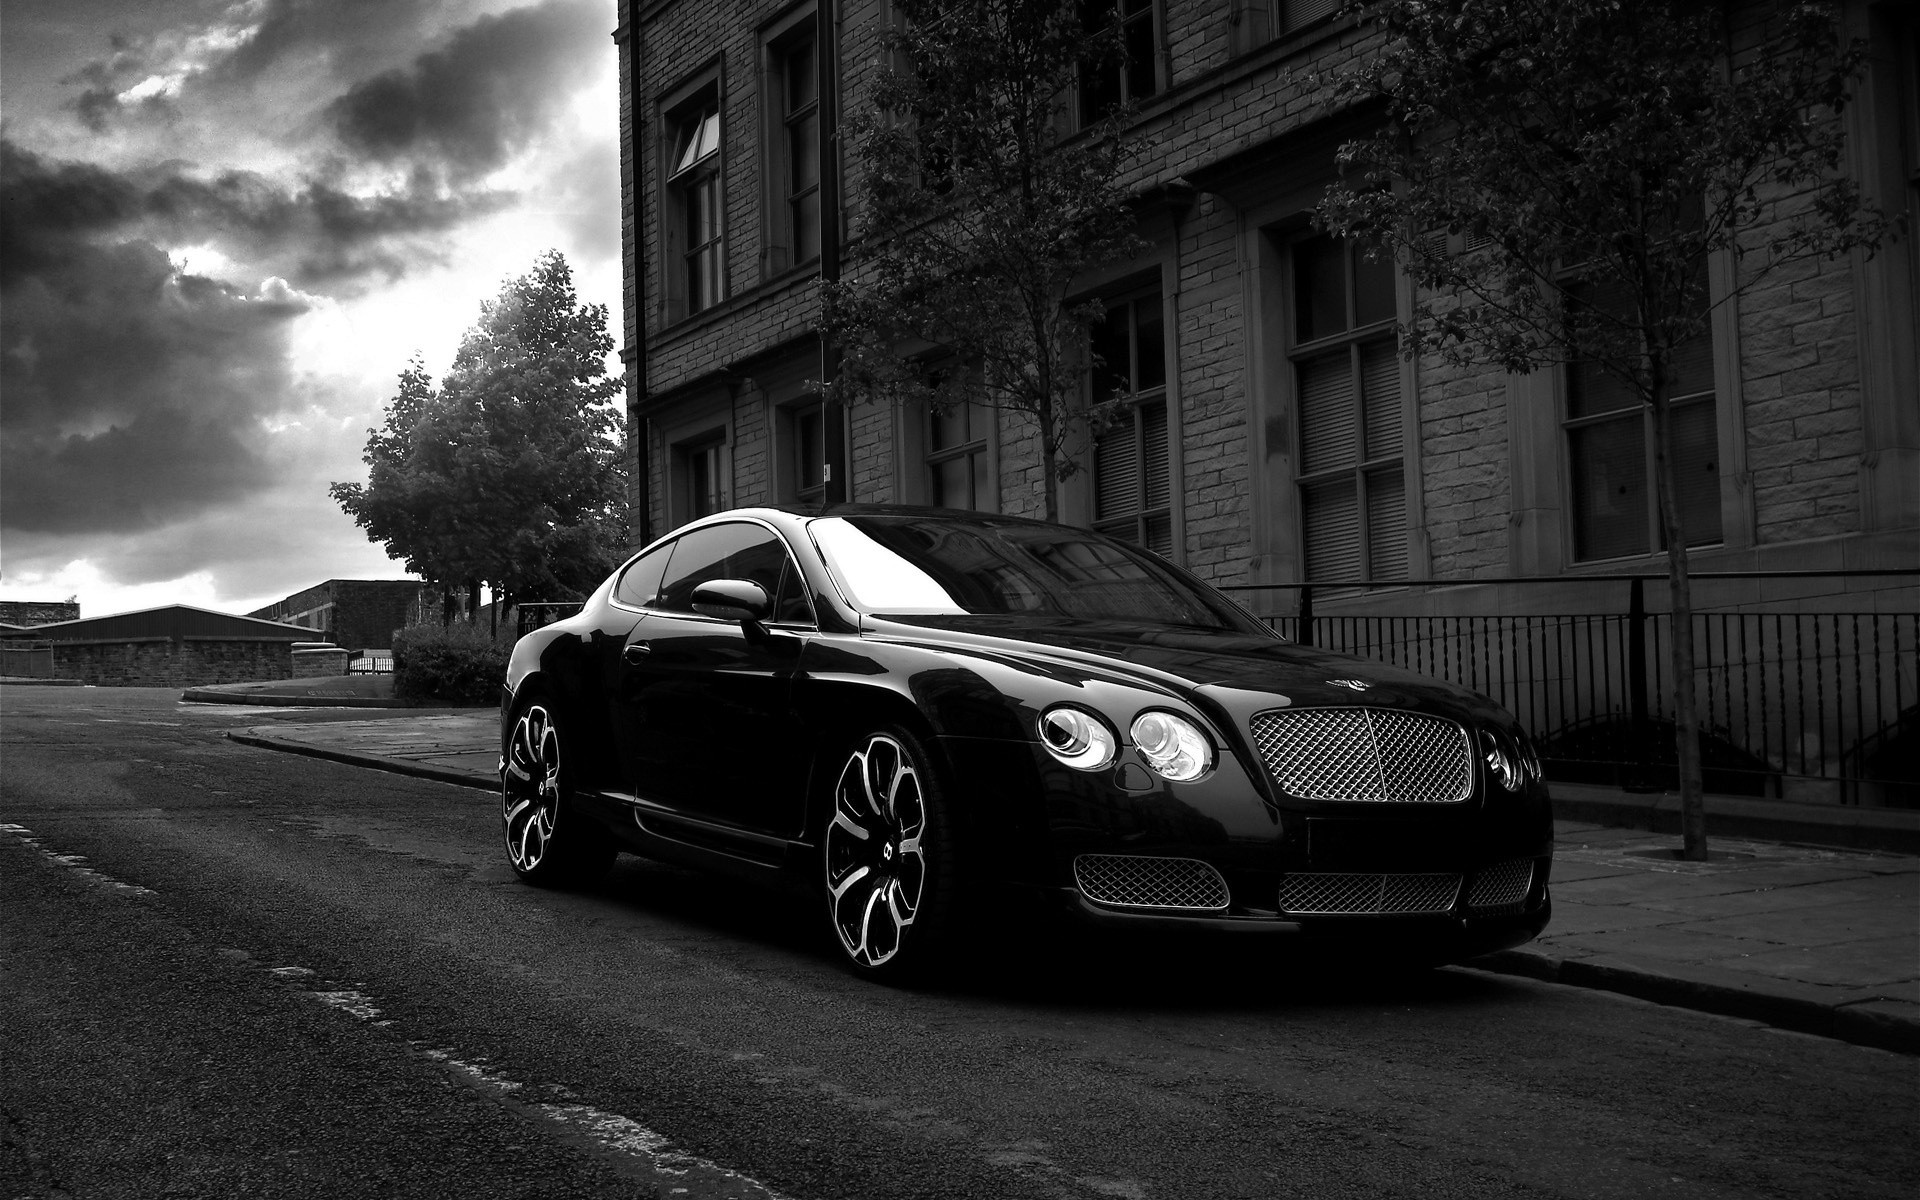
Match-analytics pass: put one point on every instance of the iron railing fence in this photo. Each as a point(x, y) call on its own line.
point(371, 662)
point(1797, 704)
point(538, 614)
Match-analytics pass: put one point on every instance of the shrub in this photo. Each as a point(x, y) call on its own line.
point(448, 664)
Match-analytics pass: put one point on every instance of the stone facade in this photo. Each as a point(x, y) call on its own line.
point(1814, 371)
point(1820, 445)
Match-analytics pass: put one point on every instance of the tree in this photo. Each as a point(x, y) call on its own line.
point(409, 495)
point(1598, 153)
point(978, 215)
point(512, 473)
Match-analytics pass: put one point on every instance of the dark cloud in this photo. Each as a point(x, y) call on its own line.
point(313, 234)
point(353, 32)
point(133, 392)
point(469, 104)
point(147, 400)
point(103, 81)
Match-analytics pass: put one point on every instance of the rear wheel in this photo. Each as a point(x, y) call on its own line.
point(890, 860)
point(547, 843)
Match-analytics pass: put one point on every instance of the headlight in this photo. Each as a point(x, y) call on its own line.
point(1172, 746)
point(1529, 755)
point(1501, 763)
point(1077, 738)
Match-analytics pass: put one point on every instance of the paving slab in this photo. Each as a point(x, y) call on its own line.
point(1782, 899)
point(1819, 925)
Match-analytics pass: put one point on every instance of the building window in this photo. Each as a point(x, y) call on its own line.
point(1134, 76)
point(1297, 14)
point(1616, 509)
point(1346, 371)
point(957, 458)
point(701, 470)
point(809, 443)
point(796, 164)
point(1132, 479)
point(693, 188)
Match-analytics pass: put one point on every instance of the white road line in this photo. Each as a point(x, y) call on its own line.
point(74, 863)
point(676, 1172)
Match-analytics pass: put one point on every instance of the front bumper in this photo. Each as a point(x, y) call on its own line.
point(1470, 877)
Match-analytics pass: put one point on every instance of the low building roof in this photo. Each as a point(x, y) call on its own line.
point(173, 620)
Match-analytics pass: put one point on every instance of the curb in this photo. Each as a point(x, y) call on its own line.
point(282, 700)
point(30, 681)
point(398, 766)
point(1876, 1030)
point(1893, 831)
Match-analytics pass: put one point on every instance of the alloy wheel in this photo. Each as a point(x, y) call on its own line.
point(876, 869)
point(530, 788)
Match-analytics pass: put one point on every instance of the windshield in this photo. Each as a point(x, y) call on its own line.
point(982, 566)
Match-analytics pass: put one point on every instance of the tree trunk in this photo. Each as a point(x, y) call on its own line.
point(473, 601)
point(1686, 717)
point(1049, 449)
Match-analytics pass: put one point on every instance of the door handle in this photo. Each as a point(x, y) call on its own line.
point(636, 653)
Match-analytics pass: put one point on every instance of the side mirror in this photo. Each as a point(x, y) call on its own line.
point(732, 600)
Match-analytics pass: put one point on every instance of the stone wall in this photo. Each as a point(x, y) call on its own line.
point(38, 612)
point(311, 660)
point(166, 662)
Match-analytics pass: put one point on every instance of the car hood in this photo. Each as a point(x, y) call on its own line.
point(1237, 668)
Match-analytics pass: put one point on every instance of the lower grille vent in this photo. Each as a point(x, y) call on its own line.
point(1136, 881)
point(1328, 893)
point(1501, 887)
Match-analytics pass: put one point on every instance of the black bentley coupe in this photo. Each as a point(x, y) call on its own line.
point(910, 712)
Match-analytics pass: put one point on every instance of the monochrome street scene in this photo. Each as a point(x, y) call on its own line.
point(947, 598)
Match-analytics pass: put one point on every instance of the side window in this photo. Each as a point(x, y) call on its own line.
point(731, 551)
point(790, 603)
point(640, 586)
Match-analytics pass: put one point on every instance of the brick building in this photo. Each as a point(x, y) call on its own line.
point(356, 614)
point(1275, 438)
point(174, 646)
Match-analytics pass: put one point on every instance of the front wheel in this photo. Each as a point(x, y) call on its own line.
point(891, 874)
point(547, 844)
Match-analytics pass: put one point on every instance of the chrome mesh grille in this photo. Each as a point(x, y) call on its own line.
point(1374, 754)
point(1503, 885)
point(1137, 881)
point(1324, 893)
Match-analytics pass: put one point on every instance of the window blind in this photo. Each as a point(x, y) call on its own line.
point(1326, 412)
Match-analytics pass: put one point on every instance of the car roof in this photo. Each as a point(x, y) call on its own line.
point(811, 511)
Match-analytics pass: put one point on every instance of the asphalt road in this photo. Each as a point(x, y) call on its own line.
point(230, 972)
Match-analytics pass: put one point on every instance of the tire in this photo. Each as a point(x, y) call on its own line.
point(548, 843)
point(890, 861)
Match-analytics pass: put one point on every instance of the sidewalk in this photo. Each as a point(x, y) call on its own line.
point(1823, 941)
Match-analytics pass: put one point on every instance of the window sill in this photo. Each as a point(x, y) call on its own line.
point(788, 280)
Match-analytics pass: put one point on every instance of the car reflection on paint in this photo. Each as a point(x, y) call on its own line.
point(902, 710)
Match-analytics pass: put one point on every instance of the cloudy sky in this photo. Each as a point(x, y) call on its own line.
point(225, 226)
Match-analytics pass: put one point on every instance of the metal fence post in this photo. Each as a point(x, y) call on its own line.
point(1641, 780)
point(1303, 633)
